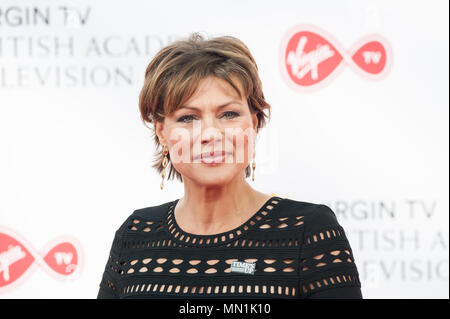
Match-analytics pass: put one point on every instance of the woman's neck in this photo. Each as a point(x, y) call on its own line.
point(209, 211)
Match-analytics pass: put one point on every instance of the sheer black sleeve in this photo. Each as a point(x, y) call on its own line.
point(109, 283)
point(327, 267)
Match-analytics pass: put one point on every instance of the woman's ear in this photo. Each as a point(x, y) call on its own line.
point(255, 122)
point(159, 127)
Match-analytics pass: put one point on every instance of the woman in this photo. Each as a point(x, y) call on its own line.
point(222, 238)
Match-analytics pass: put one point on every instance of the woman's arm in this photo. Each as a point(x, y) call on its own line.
point(327, 267)
point(108, 285)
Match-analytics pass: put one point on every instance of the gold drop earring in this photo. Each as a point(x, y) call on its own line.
point(164, 164)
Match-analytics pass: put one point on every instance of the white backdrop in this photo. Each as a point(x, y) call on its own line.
point(75, 159)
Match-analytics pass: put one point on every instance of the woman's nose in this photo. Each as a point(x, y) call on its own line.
point(210, 129)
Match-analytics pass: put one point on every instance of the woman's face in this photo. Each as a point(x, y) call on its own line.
point(214, 120)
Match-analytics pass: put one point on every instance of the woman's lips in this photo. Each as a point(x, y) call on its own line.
point(212, 157)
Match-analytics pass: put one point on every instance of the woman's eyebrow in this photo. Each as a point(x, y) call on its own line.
point(218, 107)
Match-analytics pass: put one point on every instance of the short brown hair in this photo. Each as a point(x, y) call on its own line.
point(173, 76)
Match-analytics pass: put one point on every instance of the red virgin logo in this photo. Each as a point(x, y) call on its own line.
point(310, 58)
point(61, 258)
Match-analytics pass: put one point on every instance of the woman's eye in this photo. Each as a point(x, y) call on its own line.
point(228, 114)
point(233, 114)
point(182, 119)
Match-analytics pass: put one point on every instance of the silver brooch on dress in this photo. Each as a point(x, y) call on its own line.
point(243, 267)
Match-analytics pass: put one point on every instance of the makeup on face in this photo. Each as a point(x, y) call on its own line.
point(212, 158)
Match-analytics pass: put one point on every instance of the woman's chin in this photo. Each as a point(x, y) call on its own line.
point(213, 177)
